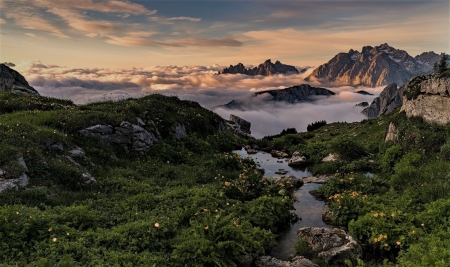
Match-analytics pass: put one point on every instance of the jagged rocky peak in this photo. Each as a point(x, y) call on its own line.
point(386, 102)
point(374, 66)
point(12, 81)
point(267, 68)
point(290, 95)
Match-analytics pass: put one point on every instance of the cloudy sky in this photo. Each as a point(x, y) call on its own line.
point(89, 50)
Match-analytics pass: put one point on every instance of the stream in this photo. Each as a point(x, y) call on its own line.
point(306, 207)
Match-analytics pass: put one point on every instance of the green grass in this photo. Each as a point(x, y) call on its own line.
point(187, 202)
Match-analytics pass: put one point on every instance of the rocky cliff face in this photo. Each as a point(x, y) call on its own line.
point(374, 66)
point(12, 81)
point(290, 95)
point(428, 97)
point(387, 101)
point(267, 68)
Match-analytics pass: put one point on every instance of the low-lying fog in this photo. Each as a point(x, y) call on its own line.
point(201, 84)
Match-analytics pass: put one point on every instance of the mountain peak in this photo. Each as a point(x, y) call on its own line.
point(266, 68)
point(374, 66)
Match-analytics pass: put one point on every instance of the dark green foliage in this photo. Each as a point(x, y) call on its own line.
point(348, 149)
point(441, 66)
point(316, 125)
point(282, 133)
point(287, 142)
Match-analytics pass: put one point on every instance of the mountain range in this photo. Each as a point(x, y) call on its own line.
point(267, 68)
point(374, 66)
point(290, 95)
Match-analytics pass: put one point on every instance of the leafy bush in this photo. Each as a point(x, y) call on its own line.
point(315, 125)
point(348, 150)
point(282, 133)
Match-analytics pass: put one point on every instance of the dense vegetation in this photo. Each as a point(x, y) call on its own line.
point(185, 203)
point(315, 125)
point(401, 215)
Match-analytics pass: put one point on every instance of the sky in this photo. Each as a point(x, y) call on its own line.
point(91, 50)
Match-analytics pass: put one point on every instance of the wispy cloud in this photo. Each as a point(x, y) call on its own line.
point(2, 21)
point(34, 35)
point(185, 18)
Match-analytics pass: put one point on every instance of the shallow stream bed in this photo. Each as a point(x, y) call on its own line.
point(306, 207)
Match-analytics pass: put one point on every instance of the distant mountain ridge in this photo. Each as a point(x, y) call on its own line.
point(290, 95)
point(374, 66)
point(267, 68)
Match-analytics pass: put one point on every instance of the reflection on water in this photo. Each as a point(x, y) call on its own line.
point(306, 207)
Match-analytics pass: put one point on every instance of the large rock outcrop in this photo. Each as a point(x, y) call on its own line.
point(290, 95)
point(12, 81)
point(374, 66)
point(390, 98)
point(428, 97)
point(21, 180)
point(127, 135)
point(332, 245)
point(240, 124)
point(267, 68)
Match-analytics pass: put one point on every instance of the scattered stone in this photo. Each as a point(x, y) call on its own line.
point(298, 261)
point(314, 180)
point(77, 152)
point(279, 154)
point(281, 171)
point(140, 122)
point(57, 146)
point(330, 157)
point(327, 215)
point(297, 159)
point(127, 135)
point(332, 245)
point(21, 181)
point(87, 179)
point(391, 133)
point(178, 131)
point(296, 182)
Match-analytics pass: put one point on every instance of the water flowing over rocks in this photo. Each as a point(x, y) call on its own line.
point(12, 81)
point(298, 261)
point(332, 245)
point(428, 98)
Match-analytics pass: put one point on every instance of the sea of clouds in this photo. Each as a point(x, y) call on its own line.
point(201, 84)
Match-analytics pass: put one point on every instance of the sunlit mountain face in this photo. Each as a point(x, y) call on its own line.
point(96, 50)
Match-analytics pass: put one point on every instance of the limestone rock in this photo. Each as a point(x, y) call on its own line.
point(128, 135)
point(15, 183)
point(428, 98)
point(12, 81)
point(297, 159)
point(314, 180)
point(327, 215)
point(77, 152)
point(298, 261)
point(392, 133)
point(296, 182)
point(374, 66)
point(178, 131)
point(332, 245)
point(87, 179)
point(279, 154)
point(390, 98)
point(330, 157)
point(243, 125)
point(267, 68)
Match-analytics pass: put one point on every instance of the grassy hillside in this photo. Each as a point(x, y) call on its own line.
point(402, 214)
point(184, 203)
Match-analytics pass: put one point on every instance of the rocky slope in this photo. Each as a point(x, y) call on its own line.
point(11, 80)
point(428, 97)
point(267, 68)
point(374, 66)
point(290, 95)
point(388, 100)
